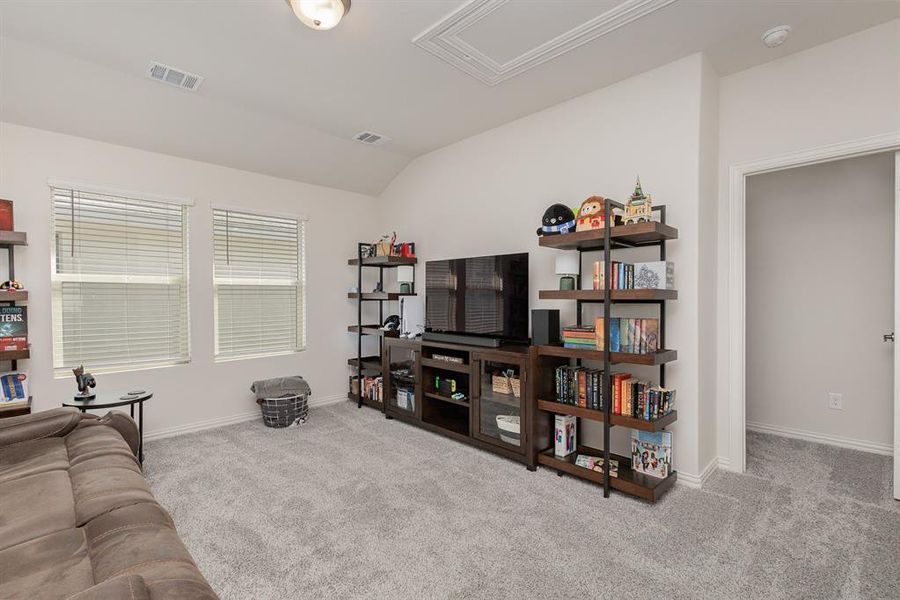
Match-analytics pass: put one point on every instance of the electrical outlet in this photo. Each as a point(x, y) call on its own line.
point(835, 401)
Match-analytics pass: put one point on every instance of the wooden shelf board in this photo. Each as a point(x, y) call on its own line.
point(372, 330)
point(20, 409)
point(370, 363)
point(597, 415)
point(445, 365)
point(448, 424)
point(653, 358)
point(15, 354)
point(616, 295)
point(382, 261)
point(447, 399)
point(635, 234)
point(17, 296)
point(378, 296)
point(628, 481)
point(13, 238)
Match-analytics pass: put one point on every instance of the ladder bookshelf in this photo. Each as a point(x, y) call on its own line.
point(363, 365)
point(611, 237)
point(9, 240)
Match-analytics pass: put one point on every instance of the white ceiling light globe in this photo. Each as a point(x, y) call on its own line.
point(320, 14)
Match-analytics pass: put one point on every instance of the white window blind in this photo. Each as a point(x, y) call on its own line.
point(259, 284)
point(119, 282)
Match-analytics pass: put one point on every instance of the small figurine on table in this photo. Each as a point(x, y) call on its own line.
point(84, 381)
point(639, 207)
point(12, 285)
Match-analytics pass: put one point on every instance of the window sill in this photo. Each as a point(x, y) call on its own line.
point(227, 359)
point(66, 373)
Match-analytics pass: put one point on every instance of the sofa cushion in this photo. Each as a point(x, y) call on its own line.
point(35, 506)
point(32, 457)
point(126, 587)
point(49, 567)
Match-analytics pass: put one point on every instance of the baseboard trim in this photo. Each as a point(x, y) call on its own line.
point(167, 432)
point(822, 438)
point(696, 481)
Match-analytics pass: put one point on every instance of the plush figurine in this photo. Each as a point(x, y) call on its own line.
point(11, 285)
point(590, 215)
point(639, 207)
point(559, 218)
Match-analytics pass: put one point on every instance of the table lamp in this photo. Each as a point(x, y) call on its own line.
point(405, 277)
point(567, 266)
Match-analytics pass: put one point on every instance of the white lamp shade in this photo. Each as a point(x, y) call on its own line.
point(567, 264)
point(405, 274)
point(320, 14)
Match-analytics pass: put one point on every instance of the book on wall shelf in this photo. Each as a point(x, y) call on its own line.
point(578, 376)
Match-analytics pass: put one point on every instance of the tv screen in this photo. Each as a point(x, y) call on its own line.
point(482, 296)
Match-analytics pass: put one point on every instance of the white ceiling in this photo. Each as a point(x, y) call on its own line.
point(286, 100)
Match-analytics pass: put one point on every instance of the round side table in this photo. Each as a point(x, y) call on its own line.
point(113, 400)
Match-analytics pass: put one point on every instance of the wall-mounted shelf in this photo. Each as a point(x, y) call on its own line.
point(660, 357)
point(382, 261)
point(382, 296)
point(16, 296)
point(621, 236)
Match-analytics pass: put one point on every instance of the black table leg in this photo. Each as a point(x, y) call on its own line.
point(140, 429)
point(131, 408)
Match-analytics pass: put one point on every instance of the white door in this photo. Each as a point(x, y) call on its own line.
point(896, 325)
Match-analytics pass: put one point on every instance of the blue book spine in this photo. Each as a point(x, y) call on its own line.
point(614, 335)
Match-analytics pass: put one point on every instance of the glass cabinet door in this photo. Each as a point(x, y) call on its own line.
point(500, 414)
point(402, 378)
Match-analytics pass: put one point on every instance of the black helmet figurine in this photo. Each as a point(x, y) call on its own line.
point(559, 218)
point(392, 323)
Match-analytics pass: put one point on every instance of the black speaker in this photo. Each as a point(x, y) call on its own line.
point(544, 326)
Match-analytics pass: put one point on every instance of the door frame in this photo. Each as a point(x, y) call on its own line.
point(736, 278)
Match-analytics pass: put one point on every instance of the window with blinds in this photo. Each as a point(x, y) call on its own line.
point(259, 284)
point(119, 282)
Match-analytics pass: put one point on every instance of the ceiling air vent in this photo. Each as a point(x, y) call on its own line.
point(372, 139)
point(172, 76)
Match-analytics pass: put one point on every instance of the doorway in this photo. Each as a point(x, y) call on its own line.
point(735, 282)
point(819, 299)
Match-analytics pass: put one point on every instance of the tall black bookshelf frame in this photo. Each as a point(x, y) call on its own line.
point(373, 363)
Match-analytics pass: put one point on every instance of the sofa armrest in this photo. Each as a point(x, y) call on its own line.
point(56, 422)
point(119, 421)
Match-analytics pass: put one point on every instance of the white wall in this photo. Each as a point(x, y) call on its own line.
point(486, 195)
point(820, 290)
point(202, 390)
point(844, 90)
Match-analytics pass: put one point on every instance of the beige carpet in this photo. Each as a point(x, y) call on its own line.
point(351, 505)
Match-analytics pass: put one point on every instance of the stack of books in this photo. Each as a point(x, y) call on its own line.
point(644, 275)
point(640, 399)
point(634, 336)
point(579, 386)
point(579, 337)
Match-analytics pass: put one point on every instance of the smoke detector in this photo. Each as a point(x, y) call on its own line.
point(176, 77)
point(776, 36)
point(371, 138)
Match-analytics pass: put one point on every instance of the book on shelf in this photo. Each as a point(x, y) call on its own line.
point(564, 436)
point(651, 453)
point(640, 399)
point(13, 328)
point(575, 336)
point(579, 386)
point(632, 336)
point(595, 463)
point(372, 387)
point(658, 275)
point(13, 389)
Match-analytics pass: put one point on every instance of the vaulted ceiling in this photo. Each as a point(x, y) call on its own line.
point(282, 99)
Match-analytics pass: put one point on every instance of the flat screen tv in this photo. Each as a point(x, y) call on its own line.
point(481, 300)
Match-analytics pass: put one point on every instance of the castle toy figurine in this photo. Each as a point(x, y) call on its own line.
point(639, 207)
point(590, 215)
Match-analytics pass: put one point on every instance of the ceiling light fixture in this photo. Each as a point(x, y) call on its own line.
point(320, 14)
point(776, 36)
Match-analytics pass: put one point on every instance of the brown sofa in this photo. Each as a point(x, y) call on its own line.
point(77, 519)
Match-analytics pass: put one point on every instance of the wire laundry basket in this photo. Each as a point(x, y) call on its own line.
point(284, 411)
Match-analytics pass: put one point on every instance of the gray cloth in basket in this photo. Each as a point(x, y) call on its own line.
point(280, 386)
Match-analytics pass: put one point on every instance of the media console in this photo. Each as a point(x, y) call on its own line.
point(497, 412)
